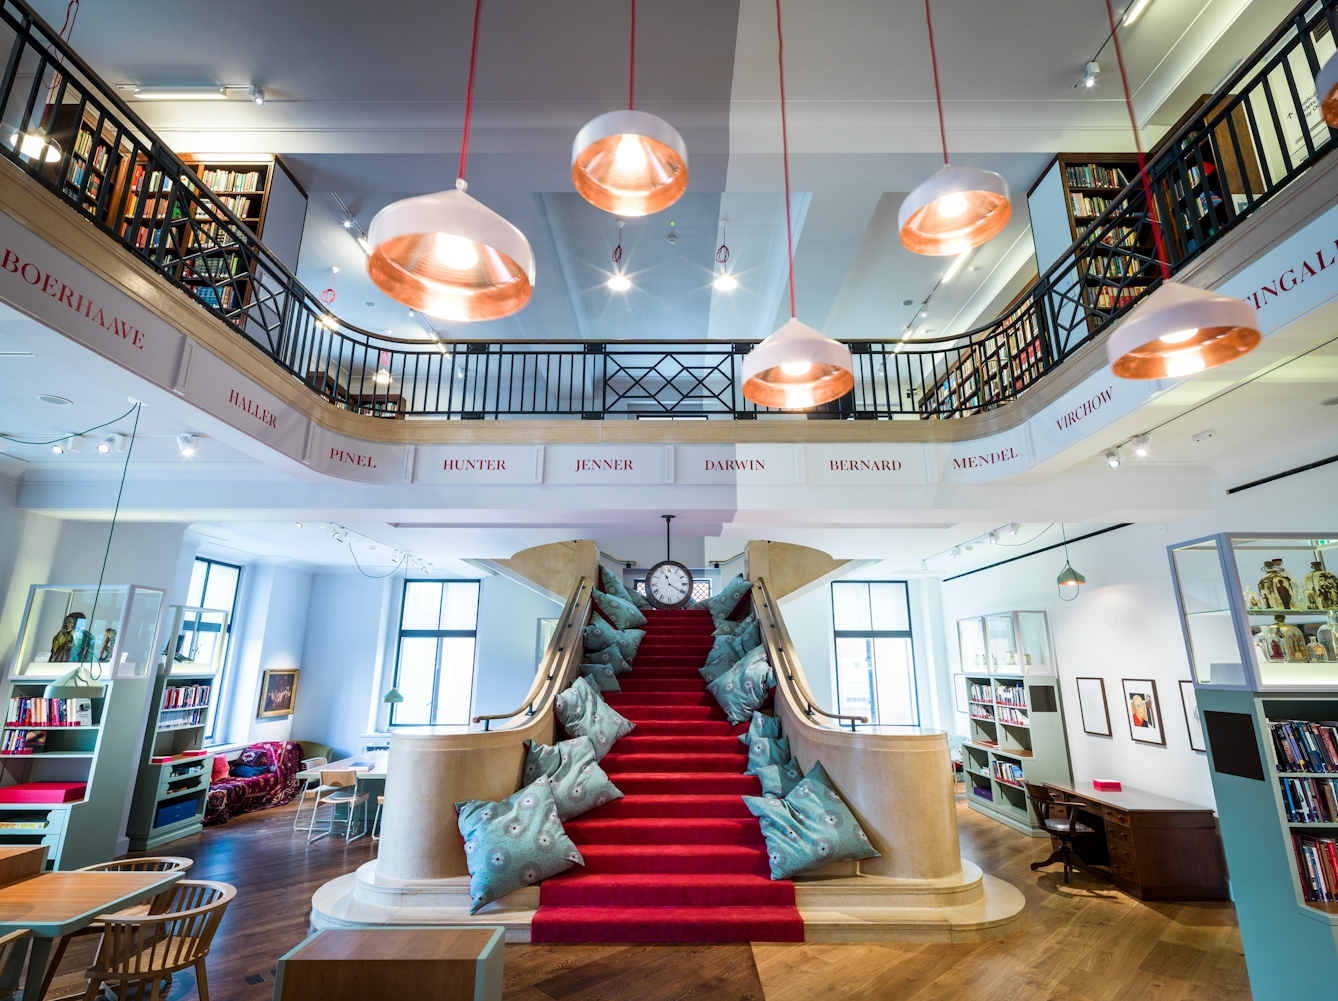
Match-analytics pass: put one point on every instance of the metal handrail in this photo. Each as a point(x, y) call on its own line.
point(793, 672)
point(552, 665)
point(113, 170)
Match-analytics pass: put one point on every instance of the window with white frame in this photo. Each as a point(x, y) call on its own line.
point(214, 585)
point(875, 661)
point(434, 663)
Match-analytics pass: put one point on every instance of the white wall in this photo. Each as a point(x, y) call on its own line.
point(508, 643)
point(1124, 623)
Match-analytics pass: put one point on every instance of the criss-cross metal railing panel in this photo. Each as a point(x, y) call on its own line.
point(73, 134)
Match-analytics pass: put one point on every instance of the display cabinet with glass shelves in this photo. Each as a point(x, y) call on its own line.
point(172, 787)
point(75, 697)
point(1016, 723)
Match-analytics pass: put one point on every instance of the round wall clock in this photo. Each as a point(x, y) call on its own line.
point(669, 585)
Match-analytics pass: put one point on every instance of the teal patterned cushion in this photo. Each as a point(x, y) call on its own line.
point(723, 651)
point(629, 640)
point(577, 781)
point(713, 672)
point(743, 687)
point(767, 751)
point(599, 635)
point(810, 827)
point(612, 656)
point(602, 676)
point(514, 842)
point(583, 713)
point(732, 628)
point(722, 604)
point(623, 614)
point(761, 725)
point(614, 586)
point(778, 780)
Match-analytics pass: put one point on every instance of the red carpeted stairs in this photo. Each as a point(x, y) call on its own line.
point(679, 858)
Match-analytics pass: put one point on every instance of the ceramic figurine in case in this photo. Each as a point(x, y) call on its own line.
point(1269, 642)
point(1327, 637)
point(1316, 653)
point(1252, 602)
point(1282, 642)
point(1324, 585)
point(1278, 588)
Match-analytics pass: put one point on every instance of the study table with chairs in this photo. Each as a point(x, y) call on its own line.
point(346, 786)
point(153, 923)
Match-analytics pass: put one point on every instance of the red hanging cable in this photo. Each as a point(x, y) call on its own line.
point(938, 94)
point(1138, 145)
point(785, 154)
point(631, 62)
point(469, 91)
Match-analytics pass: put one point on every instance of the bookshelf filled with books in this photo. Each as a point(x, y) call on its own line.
point(172, 785)
point(74, 697)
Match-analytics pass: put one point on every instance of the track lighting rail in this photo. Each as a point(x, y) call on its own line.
point(70, 132)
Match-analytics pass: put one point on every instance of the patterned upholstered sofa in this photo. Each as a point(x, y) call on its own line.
point(275, 783)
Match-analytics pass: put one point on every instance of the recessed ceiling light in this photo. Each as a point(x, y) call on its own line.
point(55, 401)
point(369, 302)
point(1332, 401)
point(908, 302)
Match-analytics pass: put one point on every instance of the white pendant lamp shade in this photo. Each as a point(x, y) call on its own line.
point(630, 163)
point(796, 368)
point(1178, 331)
point(450, 256)
point(956, 209)
point(1326, 90)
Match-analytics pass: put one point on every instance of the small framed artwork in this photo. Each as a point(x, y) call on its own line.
point(1143, 711)
point(959, 701)
point(1092, 703)
point(278, 693)
point(1190, 700)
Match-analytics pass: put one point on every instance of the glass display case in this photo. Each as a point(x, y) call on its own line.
point(1007, 643)
point(113, 629)
point(1259, 612)
point(197, 640)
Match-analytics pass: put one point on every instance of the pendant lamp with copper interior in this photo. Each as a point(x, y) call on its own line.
point(1326, 91)
point(629, 162)
point(797, 367)
point(447, 254)
point(1178, 330)
point(959, 207)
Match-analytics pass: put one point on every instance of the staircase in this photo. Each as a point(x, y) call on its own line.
point(679, 858)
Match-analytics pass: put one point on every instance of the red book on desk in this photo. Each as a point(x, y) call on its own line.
point(43, 792)
point(1106, 785)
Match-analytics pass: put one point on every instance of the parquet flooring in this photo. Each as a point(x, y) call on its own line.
point(1081, 942)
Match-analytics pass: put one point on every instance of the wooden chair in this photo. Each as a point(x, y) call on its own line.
point(158, 863)
point(8, 945)
point(308, 786)
point(148, 948)
point(344, 784)
point(1060, 820)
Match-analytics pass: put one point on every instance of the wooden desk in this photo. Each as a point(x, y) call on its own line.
point(56, 903)
point(1160, 848)
point(445, 963)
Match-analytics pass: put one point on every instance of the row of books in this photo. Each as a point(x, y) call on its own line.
point(1011, 695)
point(1113, 266)
point(23, 742)
point(1085, 207)
point(981, 693)
point(231, 180)
point(190, 717)
point(980, 712)
point(1310, 801)
point(215, 267)
point(1301, 746)
point(1006, 771)
point(1114, 298)
point(1089, 175)
point(50, 712)
point(185, 696)
point(1007, 715)
point(1317, 864)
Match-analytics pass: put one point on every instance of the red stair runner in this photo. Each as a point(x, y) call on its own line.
point(679, 858)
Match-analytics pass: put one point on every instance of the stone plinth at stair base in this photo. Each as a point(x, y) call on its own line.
point(970, 907)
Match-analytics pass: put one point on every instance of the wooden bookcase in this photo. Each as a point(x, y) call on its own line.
point(1016, 729)
point(172, 786)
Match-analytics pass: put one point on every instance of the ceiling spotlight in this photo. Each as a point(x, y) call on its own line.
point(348, 222)
point(994, 538)
point(57, 448)
point(298, 523)
point(1089, 73)
point(1112, 458)
point(1135, 9)
point(1141, 446)
point(186, 444)
point(111, 443)
point(725, 282)
point(924, 311)
point(1013, 528)
point(956, 551)
point(955, 267)
point(619, 283)
point(257, 95)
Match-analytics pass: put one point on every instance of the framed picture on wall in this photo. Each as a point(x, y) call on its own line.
point(278, 693)
point(1143, 711)
point(1092, 704)
point(1190, 701)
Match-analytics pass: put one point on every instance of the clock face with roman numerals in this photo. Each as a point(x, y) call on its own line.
point(668, 585)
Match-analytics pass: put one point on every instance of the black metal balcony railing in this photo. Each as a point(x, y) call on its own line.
point(69, 131)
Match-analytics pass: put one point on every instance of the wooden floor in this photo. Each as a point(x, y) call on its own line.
point(1082, 942)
